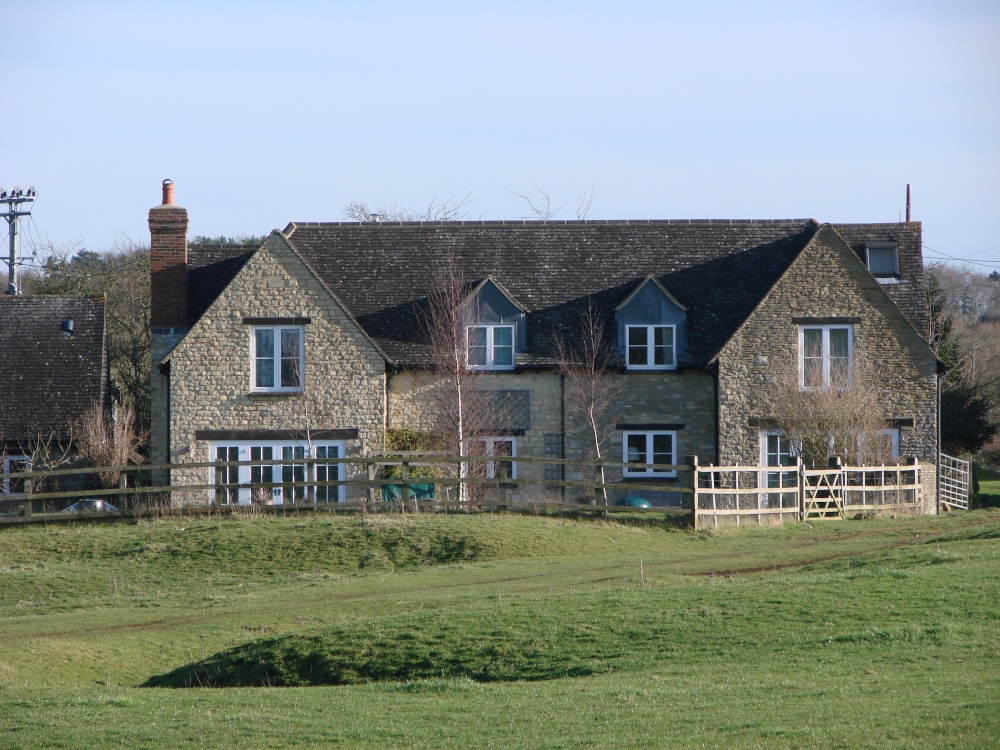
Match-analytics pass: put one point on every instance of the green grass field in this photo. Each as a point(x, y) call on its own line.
point(989, 488)
point(500, 631)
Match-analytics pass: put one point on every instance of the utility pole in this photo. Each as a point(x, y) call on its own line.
point(14, 199)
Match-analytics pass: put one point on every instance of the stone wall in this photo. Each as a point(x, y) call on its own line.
point(210, 379)
point(684, 400)
point(828, 281)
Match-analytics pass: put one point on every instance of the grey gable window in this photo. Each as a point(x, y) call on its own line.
point(882, 258)
point(497, 328)
point(651, 328)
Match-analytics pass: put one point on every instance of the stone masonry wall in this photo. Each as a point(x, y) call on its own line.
point(676, 398)
point(344, 373)
point(161, 344)
point(828, 280)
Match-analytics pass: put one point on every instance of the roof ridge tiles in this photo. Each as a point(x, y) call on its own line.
point(554, 222)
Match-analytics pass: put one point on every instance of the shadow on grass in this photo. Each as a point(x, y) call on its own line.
point(337, 658)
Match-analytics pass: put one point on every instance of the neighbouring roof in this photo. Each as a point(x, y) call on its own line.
point(49, 378)
point(718, 269)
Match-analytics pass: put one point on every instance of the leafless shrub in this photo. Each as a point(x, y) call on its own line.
point(102, 441)
point(823, 422)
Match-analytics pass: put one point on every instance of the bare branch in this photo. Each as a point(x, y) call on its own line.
point(584, 204)
point(541, 206)
point(451, 209)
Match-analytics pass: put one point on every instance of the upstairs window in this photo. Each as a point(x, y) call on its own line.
point(825, 355)
point(882, 259)
point(277, 358)
point(490, 347)
point(651, 347)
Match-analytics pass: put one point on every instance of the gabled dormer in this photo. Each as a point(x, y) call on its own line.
point(651, 328)
point(496, 330)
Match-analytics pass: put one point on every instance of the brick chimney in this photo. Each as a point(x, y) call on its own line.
point(168, 226)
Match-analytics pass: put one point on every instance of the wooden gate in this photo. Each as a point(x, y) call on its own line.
point(822, 493)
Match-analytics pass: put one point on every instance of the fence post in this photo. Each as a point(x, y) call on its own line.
point(404, 496)
point(802, 487)
point(123, 485)
point(693, 460)
point(27, 497)
point(603, 489)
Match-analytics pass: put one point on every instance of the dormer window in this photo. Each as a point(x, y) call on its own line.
point(496, 327)
point(490, 347)
point(651, 328)
point(651, 347)
point(882, 258)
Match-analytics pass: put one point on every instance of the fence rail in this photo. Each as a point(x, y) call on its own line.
point(708, 495)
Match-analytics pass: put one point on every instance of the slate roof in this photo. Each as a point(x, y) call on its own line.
point(210, 268)
point(47, 378)
point(718, 269)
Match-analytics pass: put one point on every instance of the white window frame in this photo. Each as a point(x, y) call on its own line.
point(825, 355)
point(779, 476)
point(650, 347)
point(890, 432)
point(5, 464)
point(490, 346)
point(489, 444)
point(276, 359)
point(243, 474)
point(648, 453)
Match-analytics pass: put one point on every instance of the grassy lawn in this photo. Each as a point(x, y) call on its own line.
point(989, 488)
point(500, 631)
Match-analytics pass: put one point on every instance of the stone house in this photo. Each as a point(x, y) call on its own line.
point(316, 341)
point(53, 368)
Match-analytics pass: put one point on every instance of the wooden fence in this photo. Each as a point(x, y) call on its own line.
point(708, 495)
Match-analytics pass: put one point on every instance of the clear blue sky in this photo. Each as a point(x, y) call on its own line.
point(269, 112)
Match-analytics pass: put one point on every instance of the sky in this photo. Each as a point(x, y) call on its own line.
point(264, 113)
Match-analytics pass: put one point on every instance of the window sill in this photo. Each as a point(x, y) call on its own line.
point(657, 478)
point(276, 393)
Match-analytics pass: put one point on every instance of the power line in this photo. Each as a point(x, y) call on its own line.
point(985, 263)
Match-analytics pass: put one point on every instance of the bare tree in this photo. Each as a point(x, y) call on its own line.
point(585, 204)
point(540, 206)
point(451, 209)
point(463, 396)
point(825, 422)
point(584, 358)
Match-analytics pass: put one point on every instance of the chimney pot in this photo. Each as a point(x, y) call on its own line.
point(168, 192)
